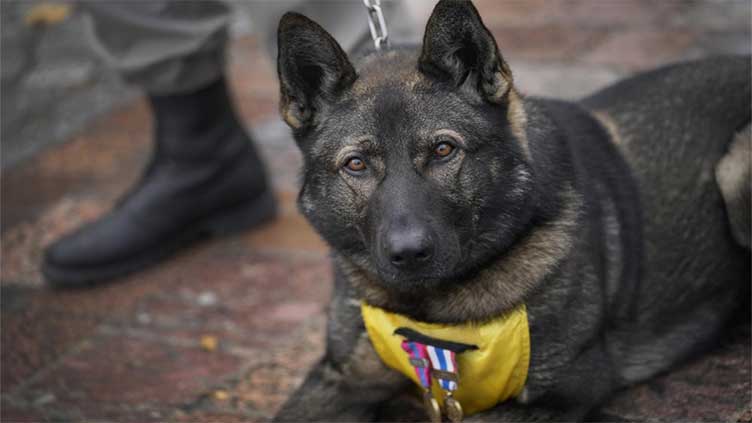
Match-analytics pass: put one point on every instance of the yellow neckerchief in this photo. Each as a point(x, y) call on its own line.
point(493, 373)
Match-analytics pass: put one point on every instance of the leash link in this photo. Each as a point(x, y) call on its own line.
point(376, 23)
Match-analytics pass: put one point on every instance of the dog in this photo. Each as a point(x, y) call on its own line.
point(618, 224)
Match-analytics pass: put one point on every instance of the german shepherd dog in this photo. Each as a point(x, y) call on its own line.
point(621, 221)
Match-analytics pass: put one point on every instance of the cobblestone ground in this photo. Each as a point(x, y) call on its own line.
point(225, 330)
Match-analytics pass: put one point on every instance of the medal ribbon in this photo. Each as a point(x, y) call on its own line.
point(423, 358)
point(444, 360)
point(419, 360)
point(431, 357)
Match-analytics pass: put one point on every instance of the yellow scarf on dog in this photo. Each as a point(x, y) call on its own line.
point(493, 373)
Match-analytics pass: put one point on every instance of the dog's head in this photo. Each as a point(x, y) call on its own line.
point(416, 165)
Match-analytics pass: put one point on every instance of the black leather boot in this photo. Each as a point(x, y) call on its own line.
point(205, 178)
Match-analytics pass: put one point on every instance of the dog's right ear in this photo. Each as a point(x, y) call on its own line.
point(457, 46)
point(312, 69)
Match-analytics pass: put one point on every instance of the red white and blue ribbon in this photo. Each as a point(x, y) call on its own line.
point(432, 357)
point(444, 360)
point(419, 359)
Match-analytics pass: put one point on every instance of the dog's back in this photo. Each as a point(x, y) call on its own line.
point(674, 125)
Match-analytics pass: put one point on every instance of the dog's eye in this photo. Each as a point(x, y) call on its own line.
point(355, 165)
point(443, 149)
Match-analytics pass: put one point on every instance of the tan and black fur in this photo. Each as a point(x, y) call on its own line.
point(616, 220)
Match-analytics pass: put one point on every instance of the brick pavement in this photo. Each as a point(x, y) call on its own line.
point(143, 349)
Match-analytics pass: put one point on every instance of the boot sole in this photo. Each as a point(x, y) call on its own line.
point(235, 219)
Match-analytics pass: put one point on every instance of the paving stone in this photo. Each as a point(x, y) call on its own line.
point(620, 13)
point(210, 416)
point(47, 323)
point(575, 13)
point(521, 13)
point(35, 337)
point(126, 370)
point(24, 243)
point(266, 386)
point(722, 43)
point(731, 15)
point(552, 42)
point(255, 300)
point(281, 155)
point(290, 231)
point(560, 80)
point(18, 414)
point(86, 411)
point(252, 71)
point(114, 149)
point(641, 49)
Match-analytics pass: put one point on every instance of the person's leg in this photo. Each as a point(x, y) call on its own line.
point(204, 178)
point(164, 47)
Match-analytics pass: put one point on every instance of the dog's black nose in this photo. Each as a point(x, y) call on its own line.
point(410, 248)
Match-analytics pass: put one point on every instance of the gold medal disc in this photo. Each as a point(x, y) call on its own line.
point(454, 409)
point(432, 407)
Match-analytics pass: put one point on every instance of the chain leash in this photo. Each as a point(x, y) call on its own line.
point(376, 23)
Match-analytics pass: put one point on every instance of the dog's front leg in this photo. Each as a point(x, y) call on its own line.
point(512, 411)
point(341, 391)
point(350, 381)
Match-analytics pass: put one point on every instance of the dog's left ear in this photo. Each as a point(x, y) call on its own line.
point(457, 46)
point(312, 69)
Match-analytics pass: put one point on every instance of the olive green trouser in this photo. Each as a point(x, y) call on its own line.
point(169, 47)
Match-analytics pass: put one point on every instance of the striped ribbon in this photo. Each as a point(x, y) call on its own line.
point(426, 357)
point(418, 354)
point(443, 359)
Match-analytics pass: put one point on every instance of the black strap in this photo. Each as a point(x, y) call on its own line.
point(416, 336)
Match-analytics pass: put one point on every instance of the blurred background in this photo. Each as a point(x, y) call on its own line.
point(225, 330)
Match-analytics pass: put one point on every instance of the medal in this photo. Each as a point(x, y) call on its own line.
point(444, 365)
point(432, 407)
point(419, 360)
point(453, 408)
point(431, 361)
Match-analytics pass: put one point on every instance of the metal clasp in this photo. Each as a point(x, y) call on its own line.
point(376, 23)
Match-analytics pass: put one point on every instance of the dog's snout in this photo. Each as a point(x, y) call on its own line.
point(409, 249)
